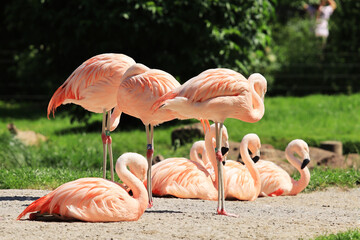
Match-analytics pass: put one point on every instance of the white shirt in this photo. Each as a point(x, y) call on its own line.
point(322, 29)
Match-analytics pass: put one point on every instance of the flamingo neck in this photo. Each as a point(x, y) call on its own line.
point(304, 180)
point(210, 151)
point(115, 118)
point(251, 166)
point(136, 186)
point(194, 154)
point(258, 109)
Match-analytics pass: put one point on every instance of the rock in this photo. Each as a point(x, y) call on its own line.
point(320, 157)
point(333, 146)
point(186, 134)
point(28, 138)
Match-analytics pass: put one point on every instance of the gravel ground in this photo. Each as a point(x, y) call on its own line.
point(302, 216)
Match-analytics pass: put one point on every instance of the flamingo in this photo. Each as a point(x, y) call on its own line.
point(241, 182)
point(184, 178)
point(98, 199)
point(275, 181)
point(140, 87)
point(93, 85)
point(217, 94)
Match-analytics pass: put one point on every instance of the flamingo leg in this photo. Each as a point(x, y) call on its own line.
point(221, 188)
point(103, 137)
point(109, 140)
point(149, 155)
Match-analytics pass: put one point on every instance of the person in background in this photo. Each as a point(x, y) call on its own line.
point(322, 18)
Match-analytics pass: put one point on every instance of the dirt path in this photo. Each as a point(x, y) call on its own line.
point(303, 216)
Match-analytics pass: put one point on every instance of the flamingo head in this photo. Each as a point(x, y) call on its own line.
point(254, 146)
point(301, 148)
point(260, 84)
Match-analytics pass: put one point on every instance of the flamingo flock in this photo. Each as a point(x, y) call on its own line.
point(116, 82)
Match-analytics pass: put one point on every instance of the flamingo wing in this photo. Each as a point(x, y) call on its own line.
point(87, 199)
point(94, 79)
point(209, 84)
point(182, 178)
point(274, 179)
point(137, 94)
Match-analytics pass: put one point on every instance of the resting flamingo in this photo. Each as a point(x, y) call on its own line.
point(184, 178)
point(93, 85)
point(140, 87)
point(241, 182)
point(217, 94)
point(97, 199)
point(275, 181)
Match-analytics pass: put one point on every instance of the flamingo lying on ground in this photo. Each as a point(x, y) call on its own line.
point(241, 182)
point(217, 94)
point(97, 199)
point(184, 178)
point(140, 87)
point(275, 181)
point(93, 85)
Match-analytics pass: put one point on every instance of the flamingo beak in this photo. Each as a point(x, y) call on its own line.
point(256, 158)
point(224, 150)
point(305, 162)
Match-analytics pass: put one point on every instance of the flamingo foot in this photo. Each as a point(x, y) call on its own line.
point(150, 204)
point(223, 212)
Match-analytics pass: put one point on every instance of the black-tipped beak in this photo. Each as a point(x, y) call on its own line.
point(304, 163)
point(256, 158)
point(223, 162)
point(224, 150)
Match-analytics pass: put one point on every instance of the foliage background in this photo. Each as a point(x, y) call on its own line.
point(46, 40)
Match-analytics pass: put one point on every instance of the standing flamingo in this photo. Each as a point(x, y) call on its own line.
point(217, 94)
point(185, 178)
point(97, 199)
point(275, 181)
point(93, 85)
point(140, 87)
point(241, 182)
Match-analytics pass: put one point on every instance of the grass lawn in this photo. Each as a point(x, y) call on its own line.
point(76, 149)
point(348, 235)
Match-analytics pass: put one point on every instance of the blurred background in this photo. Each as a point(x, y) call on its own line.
point(43, 41)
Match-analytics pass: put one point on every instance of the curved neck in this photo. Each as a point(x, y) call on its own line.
point(304, 180)
point(254, 172)
point(258, 108)
point(210, 151)
point(136, 186)
point(194, 153)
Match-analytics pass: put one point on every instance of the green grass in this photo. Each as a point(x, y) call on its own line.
point(325, 177)
point(50, 178)
point(348, 235)
point(79, 147)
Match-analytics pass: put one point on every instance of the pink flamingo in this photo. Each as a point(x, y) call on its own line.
point(217, 94)
point(275, 181)
point(184, 178)
point(97, 199)
point(93, 85)
point(241, 182)
point(140, 87)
